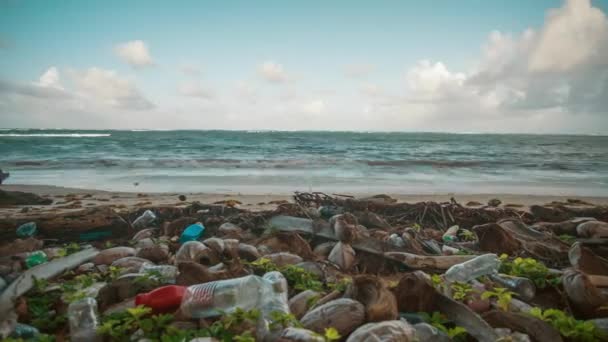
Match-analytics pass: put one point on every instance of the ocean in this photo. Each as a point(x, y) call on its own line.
point(261, 162)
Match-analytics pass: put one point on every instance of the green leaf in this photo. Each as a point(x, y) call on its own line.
point(332, 334)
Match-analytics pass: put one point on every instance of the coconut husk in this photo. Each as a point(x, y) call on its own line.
point(322, 250)
point(299, 335)
point(493, 238)
point(592, 229)
point(286, 242)
point(415, 293)
point(230, 230)
point(284, 259)
point(387, 331)
point(584, 297)
point(333, 295)
point(537, 329)
point(343, 314)
point(342, 255)
point(176, 227)
point(345, 227)
point(196, 251)
point(192, 273)
point(300, 303)
point(145, 234)
point(583, 259)
point(131, 264)
point(157, 253)
point(380, 303)
point(20, 246)
point(312, 267)
point(372, 220)
point(231, 248)
point(416, 261)
point(216, 244)
point(248, 252)
point(108, 256)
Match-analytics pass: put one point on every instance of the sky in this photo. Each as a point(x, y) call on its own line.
point(451, 66)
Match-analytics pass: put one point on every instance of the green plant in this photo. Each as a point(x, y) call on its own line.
point(340, 285)
point(437, 281)
point(108, 244)
point(297, 277)
point(283, 320)
point(417, 228)
point(38, 338)
point(467, 235)
point(41, 306)
point(121, 325)
point(461, 291)
point(502, 295)
point(529, 268)
point(439, 321)
point(569, 239)
point(568, 326)
point(331, 334)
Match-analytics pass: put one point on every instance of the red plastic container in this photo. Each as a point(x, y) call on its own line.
point(163, 299)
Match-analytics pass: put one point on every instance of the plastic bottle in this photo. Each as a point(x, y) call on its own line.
point(524, 287)
point(450, 234)
point(163, 299)
point(84, 320)
point(144, 220)
point(224, 296)
point(274, 300)
point(168, 273)
point(477, 267)
point(192, 233)
point(36, 258)
point(27, 230)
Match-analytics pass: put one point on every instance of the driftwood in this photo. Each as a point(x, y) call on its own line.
point(427, 214)
point(465, 317)
point(559, 213)
point(537, 329)
point(428, 262)
point(9, 198)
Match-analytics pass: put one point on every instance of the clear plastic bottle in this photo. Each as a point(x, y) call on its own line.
point(212, 298)
point(144, 220)
point(84, 320)
point(273, 300)
point(168, 273)
point(477, 267)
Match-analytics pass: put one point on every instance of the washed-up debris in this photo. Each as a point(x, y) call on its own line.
point(324, 268)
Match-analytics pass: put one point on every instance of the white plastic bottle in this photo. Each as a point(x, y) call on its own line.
point(144, 220)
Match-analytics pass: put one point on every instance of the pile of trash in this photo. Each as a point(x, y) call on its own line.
point(324, 268)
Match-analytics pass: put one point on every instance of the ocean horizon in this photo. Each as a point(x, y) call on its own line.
point(258, 162)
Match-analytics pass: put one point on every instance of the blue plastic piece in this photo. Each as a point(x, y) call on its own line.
point(27, 230)
point(192, 233)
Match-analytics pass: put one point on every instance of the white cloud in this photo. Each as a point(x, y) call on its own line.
point(371, 90)
point(134, 53)
point(108, 88)
point(190, 70)
point(273, 72)
point(50, 79)
point(314, 107)
point(359, 70)
point(194, 89)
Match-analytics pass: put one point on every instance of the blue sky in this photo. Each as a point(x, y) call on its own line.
point(411, 58)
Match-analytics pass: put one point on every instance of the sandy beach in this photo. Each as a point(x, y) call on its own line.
point(69, 199)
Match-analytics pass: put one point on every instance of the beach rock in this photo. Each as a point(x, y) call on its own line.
point(85, 268)
point(299, 335)
point(380, 303)
point(372, 220)
point(592, 229)
point(283, 259)
point(493, 238)
point(300, 303)
point(494, 202)
point(182, 198)
point(583, 259)
point(108, 256)
point(345, 315)
point(415, 293)
point(428, 333)
point(342, 255)
point(130, 264)
point(312, 267)
point(22, 198)
point(395, 331)
point(19, 246)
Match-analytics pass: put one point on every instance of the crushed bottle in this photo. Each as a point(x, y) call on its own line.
point(27, 229)
point(144, 220)
point(482, 265)
point(36, 258)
